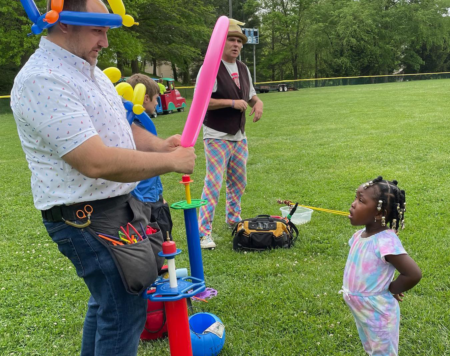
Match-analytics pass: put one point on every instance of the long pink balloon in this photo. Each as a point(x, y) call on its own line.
point(205, 83)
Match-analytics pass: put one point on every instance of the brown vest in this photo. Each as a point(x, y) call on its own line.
point(229, 120)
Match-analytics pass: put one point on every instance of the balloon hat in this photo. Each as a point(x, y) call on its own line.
point(77, 18)
point(133, 99)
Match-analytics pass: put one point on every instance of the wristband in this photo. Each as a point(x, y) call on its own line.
point(232, 103)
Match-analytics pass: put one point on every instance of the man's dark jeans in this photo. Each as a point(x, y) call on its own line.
point(115, 319)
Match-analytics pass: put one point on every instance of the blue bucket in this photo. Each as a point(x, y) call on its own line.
point(206, 343)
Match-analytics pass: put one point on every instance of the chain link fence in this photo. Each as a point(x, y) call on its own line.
point(289, 85)
point(327, 82)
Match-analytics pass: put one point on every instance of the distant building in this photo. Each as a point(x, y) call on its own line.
point(163, 69)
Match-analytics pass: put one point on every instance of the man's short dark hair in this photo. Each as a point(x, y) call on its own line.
point(69, 5)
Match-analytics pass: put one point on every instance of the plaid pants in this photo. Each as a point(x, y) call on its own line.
point(221, 154)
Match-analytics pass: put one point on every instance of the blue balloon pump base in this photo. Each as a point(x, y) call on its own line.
point(206, 343)
point(187, 287)
point(192, 234)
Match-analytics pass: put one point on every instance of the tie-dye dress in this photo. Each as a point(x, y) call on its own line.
point(367, 277)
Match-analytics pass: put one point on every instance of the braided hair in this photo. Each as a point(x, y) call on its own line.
point(391, 201)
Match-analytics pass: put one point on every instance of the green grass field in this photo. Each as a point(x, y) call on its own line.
point(314, 146)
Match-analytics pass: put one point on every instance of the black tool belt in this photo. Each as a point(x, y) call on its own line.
point(68, 212)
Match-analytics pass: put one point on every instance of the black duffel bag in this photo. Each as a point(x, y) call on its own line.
point(264, 232)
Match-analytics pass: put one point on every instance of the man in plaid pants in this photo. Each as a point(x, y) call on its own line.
point(224, 134)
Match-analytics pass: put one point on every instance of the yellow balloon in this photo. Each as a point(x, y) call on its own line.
point(138, 109)
point(138, 98)
point(113, 74)
point(139, 94)
point(117, 7)
point(128, 20)
point(125, 90)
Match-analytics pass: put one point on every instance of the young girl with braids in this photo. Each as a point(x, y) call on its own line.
point(375, 253)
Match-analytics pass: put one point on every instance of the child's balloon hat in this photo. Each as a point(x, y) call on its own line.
point(41, 22)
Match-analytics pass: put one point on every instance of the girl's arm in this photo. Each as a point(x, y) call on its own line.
point(410, 274)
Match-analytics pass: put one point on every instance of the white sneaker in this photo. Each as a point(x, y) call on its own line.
point(207, 242)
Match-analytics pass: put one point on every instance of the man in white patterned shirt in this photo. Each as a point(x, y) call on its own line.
point(82, 151)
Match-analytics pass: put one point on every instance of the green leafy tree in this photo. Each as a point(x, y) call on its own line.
point(274, 56)
point(177, 31)
point(14, 27)
point(298, 38)
point(427, 29)
point(16, 46)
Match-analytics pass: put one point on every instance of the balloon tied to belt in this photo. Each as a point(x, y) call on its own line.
point(77, 18)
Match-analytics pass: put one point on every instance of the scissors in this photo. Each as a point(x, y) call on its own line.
point(81, 214)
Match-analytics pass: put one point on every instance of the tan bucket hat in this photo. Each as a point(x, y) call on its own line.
point(234, 29)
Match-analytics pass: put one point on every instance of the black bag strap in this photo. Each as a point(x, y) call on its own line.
point(293, 227)
point(163, 322)
point(235, 227)
point(264, 217)
point(271, 219)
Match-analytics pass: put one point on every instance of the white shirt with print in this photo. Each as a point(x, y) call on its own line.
point(59, 101)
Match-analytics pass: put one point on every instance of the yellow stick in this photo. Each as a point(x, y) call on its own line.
point(337, 212)
point(188, 193)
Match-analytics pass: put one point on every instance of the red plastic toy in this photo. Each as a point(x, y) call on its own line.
point(171, 100)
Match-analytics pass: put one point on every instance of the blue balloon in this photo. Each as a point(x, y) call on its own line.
point(145, 120)
point(128, 105)
point(70, 18)
point(31, 9)
point(130, 113)
point(40, 25)
point(90, 19)
point(35, 30)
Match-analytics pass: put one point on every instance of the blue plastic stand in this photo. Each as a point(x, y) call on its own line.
point(193, 241)
point(185, 289)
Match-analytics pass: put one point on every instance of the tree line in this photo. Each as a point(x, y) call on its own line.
point(298, 38)
point(333, 38)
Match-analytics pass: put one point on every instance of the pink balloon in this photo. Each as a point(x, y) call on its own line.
point(205, 83)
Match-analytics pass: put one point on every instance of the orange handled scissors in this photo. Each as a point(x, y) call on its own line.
point(81, 214)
